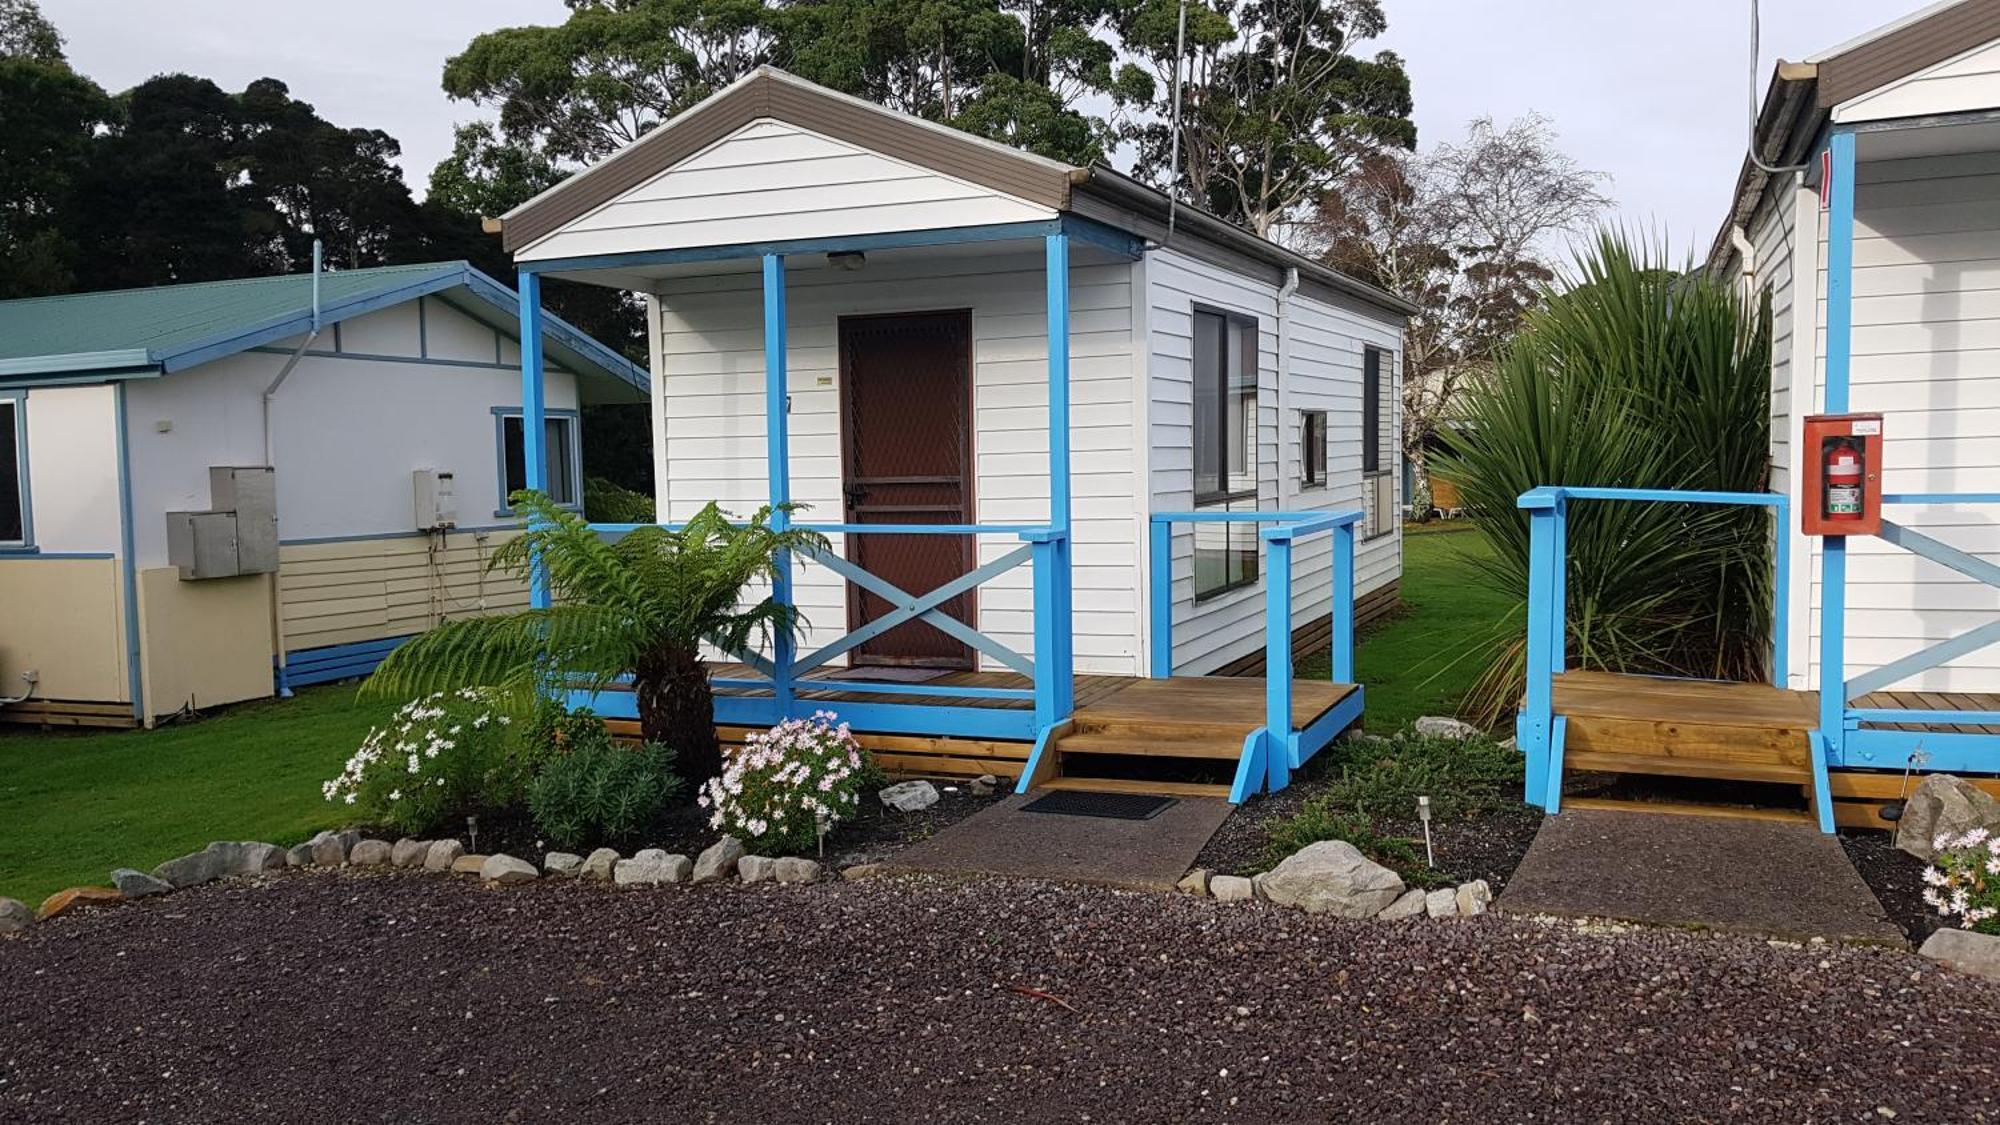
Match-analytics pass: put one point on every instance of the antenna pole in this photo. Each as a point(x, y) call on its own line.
point(1174, 150)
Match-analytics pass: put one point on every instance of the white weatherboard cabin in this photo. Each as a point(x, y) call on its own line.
point(211, 491)
point(1062, 433)
point(1912, 109)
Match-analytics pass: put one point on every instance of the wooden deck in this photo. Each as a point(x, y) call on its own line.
point(1197, 724)
point(1732, 732)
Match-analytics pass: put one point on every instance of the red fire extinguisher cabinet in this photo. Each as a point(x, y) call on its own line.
point(1843, 475)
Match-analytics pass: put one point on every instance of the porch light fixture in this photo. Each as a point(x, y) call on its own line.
point(849, 260)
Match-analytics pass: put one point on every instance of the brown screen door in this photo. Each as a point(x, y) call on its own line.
point(906, 457)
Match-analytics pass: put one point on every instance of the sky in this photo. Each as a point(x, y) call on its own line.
point(1652, 94)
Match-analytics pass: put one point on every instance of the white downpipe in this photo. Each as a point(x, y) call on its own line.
point(1288, 482)
point(1746, 253)
point(284, 373)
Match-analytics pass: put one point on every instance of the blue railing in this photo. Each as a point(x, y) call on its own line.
point(1538, 730)
point(1272, 751)
point(771, 694)
point(1844, 737)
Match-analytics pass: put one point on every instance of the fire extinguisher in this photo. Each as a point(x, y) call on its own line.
point(1843, 481)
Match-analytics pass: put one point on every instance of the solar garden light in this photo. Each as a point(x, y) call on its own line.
point(1424, 814)
point(472, 832)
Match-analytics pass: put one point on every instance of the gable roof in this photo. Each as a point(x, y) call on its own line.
point(1802, 95)
point(1099, 192)
point(129, 333)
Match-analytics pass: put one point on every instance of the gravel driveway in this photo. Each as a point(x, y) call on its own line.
point(337, 997)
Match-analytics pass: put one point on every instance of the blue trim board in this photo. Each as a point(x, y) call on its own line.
point(1046, 735)
point(889, 240)
point(1013, 724)
point(1944, 751)
point(135, 678)
point(328, 663)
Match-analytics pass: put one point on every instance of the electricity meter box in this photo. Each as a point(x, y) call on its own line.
point(239, 533)
point(1843, 477)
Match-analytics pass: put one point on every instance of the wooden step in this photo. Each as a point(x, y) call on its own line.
point(1134, 785)
point(1149, 746)
point(1689, 808)
point(1665, 765)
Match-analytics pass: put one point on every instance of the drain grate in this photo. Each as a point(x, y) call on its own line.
point(1108, 806)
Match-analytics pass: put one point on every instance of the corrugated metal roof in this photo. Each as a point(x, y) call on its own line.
point(166, 318)
point(170, 328)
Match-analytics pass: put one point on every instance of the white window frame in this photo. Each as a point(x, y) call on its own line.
point(17, 402)
point(568, 419)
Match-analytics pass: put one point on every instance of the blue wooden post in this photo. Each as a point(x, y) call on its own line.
point(1048, 701)
point(1060, 663)
point(778, 465)
point(534, 414)
point(1781, 580)
point(1160, 537)
point(1278, 660)
point(1839, 354)
point(1343, 604)
point(1533, 731)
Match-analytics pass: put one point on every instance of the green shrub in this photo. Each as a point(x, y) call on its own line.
point(1384, 777)
point(442, 758)
point(592, 791)
point(788, 786)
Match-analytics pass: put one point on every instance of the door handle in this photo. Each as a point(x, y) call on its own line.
point(854, 493)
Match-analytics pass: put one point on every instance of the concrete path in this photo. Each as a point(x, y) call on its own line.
point(1746, 876)
point(1002, 840)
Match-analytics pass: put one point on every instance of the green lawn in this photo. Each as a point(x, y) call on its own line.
point(74, 805)
point(1421, 661)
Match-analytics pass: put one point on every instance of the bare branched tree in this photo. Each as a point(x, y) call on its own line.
point(1468, 232)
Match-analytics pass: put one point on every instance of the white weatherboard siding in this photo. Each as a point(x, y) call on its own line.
point(772, 181)
point(709, 372)
point(1969, 81)
point(1326, 353)
point(1927, 356)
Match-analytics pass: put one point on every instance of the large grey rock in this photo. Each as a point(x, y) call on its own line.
point(983, 785)
point(1441, 903)
point(15, 916)
point(1411, 905)
point(909, 796)
point(718, 861)
point(299, 855)
point(1978, 954)
point(1333, 877)
point(1443, 726)
point(1232, 888)
point(408, 853)
point(757, 869)
point(506, 870)
point(371, 853)
point(138, 884)
point(1473, 898)
point(1195, 882)
point(599, 864)
point(1943, 805)
point(220, 860)
point(442, 855)
point(330, 851)
point(651, 868)
point(562, 864)
point(794, 869)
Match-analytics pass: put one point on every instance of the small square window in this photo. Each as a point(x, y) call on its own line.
point(1312, 448)
point(559, 451)
point(13, 476)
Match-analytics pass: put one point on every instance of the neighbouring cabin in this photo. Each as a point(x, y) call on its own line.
point(284, 443)
point(1069, 440)
point(1877, 246)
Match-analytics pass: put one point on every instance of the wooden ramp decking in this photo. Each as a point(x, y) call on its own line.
point(1179, 737)
point(1715, 731)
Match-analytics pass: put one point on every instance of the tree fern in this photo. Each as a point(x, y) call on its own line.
point(640, 606)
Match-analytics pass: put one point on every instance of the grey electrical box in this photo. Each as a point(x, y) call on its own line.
point(251, 491)
point(202, 544)
point(239, 535)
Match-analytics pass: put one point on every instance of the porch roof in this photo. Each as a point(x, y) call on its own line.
point(1097, 193)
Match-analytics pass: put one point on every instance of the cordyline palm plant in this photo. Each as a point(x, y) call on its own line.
point(639, 606)
point(1637, 376)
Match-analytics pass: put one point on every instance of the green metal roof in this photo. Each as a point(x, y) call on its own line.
point(136, 332)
